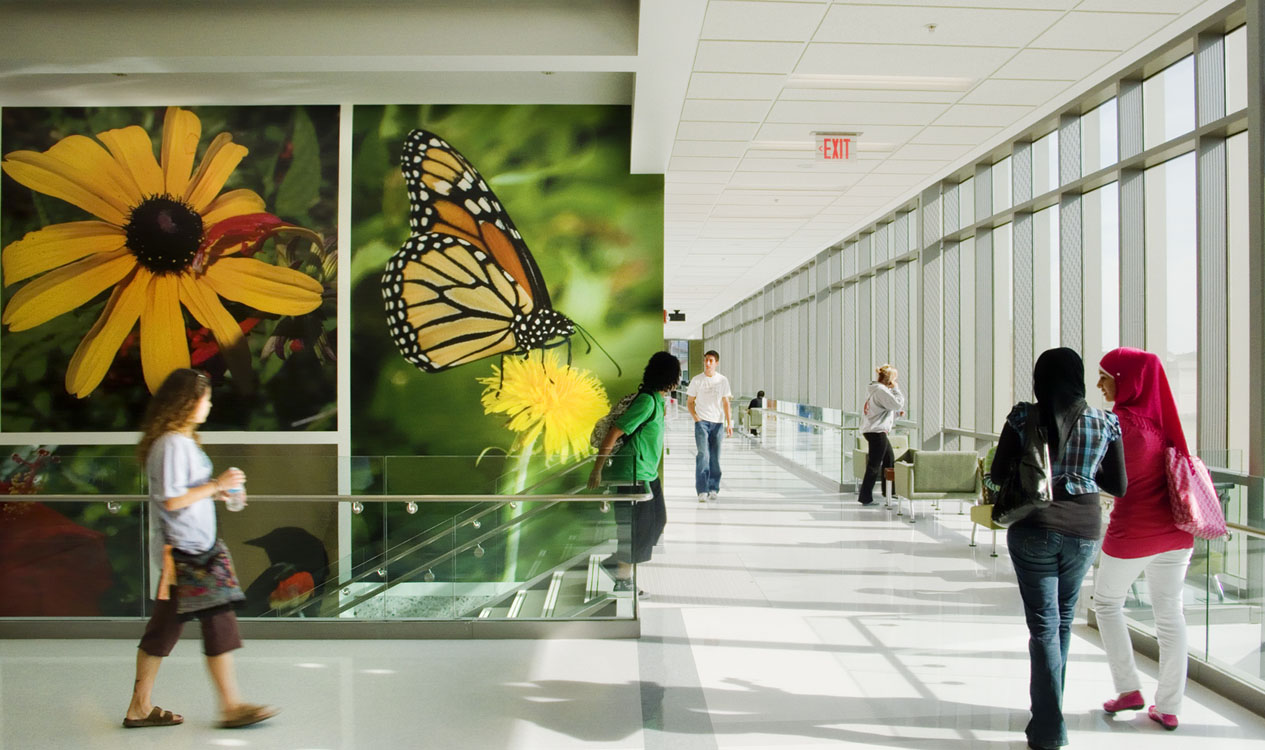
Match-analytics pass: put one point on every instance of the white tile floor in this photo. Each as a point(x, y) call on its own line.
point(782, 616)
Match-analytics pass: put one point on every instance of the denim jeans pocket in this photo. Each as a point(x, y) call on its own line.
point(1038, 544)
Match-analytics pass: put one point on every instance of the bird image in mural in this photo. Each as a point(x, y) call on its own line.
point(464, 286)
point(297, 566)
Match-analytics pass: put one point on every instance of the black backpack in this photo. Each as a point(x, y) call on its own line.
point(1030, 485)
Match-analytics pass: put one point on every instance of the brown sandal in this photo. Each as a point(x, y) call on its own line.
point(247, 714)
point(157, 718)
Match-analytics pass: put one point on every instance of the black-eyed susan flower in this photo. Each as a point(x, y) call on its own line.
point(546, 399)
point(164, 237)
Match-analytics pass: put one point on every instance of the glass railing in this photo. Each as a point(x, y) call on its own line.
point(807, 437)
point(488, 539)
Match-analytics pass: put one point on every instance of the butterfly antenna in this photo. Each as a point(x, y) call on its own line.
point(591, 342)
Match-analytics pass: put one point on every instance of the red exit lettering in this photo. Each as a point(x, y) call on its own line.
point(836, 148)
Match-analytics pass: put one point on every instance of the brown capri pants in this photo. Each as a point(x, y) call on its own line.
point(219, 629)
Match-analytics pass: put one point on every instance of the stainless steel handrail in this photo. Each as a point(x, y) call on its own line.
point(806, 420)
point(639, 497)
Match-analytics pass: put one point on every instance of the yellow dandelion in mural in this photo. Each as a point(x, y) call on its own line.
point(164, 237)
point(549, 399)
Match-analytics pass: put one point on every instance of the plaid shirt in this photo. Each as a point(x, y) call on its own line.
point(1074, 470)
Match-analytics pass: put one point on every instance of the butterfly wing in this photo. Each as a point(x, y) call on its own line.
point(464, 286)
point(448, 303)
point(447, 195)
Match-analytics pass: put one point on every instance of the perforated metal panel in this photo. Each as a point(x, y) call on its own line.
point(952, 268)
point(1024, 304)
point(984, 362)
point(882, 317)
point(1071, 273)
point(931, 385)
point(1133, 258)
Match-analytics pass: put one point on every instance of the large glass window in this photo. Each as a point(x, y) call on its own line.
point(1172, 287)
point(1168, 102)
point(966, 318)
point(1002, 196)
point(1045, 277)
point(1236, 70)
point(966, 202)
point(1099, 138)
point(1003, 326)
point(1101, 211)
point(1045, 164)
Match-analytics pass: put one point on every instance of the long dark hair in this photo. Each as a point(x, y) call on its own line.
point(172, 407)
point(663, 371)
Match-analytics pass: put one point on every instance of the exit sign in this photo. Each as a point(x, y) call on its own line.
point(837, 146)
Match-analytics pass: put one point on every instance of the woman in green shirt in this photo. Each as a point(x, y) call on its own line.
point(637, 463)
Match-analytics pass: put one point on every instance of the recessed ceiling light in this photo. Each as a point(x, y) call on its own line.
point(904, 83)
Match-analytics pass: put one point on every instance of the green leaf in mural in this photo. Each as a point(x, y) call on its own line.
point(300, 188)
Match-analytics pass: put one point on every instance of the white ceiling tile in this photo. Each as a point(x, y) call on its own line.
point(890, 180)
point(907, 25)
point(724, 109)
point(715, 178)
point(746, 57)
point(690, 200)
point(804, 180)
point(1106, 31)
point(762, 197)
point(791, 22)
point(735, 85)
point(1027, 4)
point(835, 115)
point(983, 114)
point(673, 189)
point(1048, 64)
point(897, 60)
point(868, 95)
point(910, 167)
point(716, 131)
point(1150, 6)
point(729, 229)
point(775, 210)
point(808, 164)
point(968, 136)
point(781, 132)
point(708, 148)
point(702, 163)
point(933, 153)
point(997, 91)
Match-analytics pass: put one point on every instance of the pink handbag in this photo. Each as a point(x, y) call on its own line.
point(1196, 506)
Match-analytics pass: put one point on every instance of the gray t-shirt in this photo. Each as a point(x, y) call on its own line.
point(175, 464)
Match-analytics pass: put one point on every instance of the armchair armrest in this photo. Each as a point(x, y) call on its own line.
point(904, 479)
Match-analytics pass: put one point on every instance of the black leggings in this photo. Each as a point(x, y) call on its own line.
point(880, 458)
point(639, 525)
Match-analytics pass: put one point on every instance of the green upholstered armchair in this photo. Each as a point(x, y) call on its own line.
point(982, 513)
point(936, 476)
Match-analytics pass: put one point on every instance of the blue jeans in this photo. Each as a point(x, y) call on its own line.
point(707, 437)
point(1050, 567)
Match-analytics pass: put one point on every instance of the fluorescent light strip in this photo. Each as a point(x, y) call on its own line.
point(900, 83)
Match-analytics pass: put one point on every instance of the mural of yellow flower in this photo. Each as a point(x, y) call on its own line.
point(549, 399)
point(164, 237)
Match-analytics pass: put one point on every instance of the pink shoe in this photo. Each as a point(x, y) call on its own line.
point(1168, 721)
point(1127, 702)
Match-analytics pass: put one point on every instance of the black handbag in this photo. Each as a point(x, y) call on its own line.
point(1030, 485)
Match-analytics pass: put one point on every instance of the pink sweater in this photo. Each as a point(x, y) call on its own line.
point(1142, 521)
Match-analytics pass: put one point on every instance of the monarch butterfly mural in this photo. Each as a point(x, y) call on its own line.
point(464, 286)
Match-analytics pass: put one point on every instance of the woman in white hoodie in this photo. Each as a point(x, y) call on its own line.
point(884, 404)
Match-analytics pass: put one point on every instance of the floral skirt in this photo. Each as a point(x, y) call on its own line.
point(205, 580)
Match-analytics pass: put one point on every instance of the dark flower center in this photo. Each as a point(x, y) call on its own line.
point(164, 234)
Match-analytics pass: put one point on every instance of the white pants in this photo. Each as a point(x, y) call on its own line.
point(1165, 574)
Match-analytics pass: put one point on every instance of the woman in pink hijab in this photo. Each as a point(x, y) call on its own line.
point(1141, 535)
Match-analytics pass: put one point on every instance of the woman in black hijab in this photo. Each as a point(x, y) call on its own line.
point(1053, 548)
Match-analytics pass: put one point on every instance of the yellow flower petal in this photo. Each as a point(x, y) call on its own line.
point(230, 204)
point(66, 288)
point(57, 245)
point(164, 347)
point(52, 176)
point(265, 287)
point(96, 352)
point(202, 301)
point(134, 152)
point(181, 131)
point(219, 161)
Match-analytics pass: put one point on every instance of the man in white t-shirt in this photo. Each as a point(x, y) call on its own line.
point(708, 401)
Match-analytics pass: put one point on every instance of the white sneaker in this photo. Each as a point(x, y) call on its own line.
point(702, 497)
point(711, 496)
